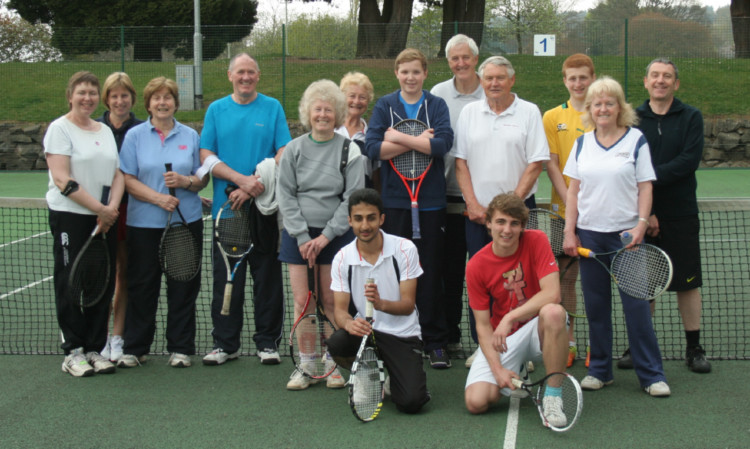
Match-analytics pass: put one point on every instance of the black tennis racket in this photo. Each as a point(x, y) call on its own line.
point(180, 249)
point(367, 379)
point(307, 340)
point(642, 271)
point(558, 397)
point(89, 275)
point(412, 167)
point(232, 233)
point(553, 225)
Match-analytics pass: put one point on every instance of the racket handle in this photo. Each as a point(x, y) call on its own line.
point(584, 252)
point(415, 231)
point(518, 383)
point(368, 304)
point(227, 299)
point(168, 166)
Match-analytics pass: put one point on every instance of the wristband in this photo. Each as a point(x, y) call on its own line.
point(70, 187)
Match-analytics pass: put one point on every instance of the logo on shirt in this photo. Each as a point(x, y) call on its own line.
point(562, 127)
point(182, 147)
point(97, 142)
point(515, 283)
point(623, 154)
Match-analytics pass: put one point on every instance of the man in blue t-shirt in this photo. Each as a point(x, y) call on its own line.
point(240, 131)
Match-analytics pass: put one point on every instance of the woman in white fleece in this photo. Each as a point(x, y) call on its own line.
point(313, 191)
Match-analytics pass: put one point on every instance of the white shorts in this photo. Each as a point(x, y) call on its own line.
point(523, 346)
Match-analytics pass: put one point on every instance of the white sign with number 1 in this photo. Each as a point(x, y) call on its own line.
point(544, 45)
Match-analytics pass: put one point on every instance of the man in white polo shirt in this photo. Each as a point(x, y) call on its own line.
point(393, 262)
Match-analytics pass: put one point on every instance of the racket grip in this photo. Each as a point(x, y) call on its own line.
point(415, 231)
point(516, 382)
point(227, 300)
point(168, 167)
point(368, 305)
point(583, 252)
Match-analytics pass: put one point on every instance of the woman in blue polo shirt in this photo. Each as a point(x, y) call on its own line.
point(145, 151)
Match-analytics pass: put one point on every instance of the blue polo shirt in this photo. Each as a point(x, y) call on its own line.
point(143, 155)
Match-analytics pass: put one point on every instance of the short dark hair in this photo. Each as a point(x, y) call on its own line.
point(509, 204)
point(367, 196)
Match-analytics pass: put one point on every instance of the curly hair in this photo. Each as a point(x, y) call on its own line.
point(322, 90)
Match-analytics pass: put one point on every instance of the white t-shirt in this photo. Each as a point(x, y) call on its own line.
point(93, 161)
point(407, 260)
point(498, 147)
point(608, 196)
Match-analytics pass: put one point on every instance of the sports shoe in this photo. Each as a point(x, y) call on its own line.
point(472, 357)
point(178, 360)
point(335, 380)
point(298, 381)
point(658, 389)
point(439, 359)
point(626, 361)
point(588, 356)
point(591, 383)
point(269, 356)
point(100, 363)
point(131, 361)
point(553, 411)
point(572, 353)
point(219, 357)
point(695, 359)
point(106, 349)
point(530, 366)
point(115, 345)
point(455, 351)
point(76, 365)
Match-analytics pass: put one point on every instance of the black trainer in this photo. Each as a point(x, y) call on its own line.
point(695, 359)
point(439, 359)
point(626, 361)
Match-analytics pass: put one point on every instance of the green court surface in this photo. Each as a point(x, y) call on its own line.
point(244, 404)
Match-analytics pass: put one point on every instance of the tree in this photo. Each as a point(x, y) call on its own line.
point(161, 24)
point(21, 41)
point(740, 12)
point(523, 17)
point(382, 33)
point(468, 14)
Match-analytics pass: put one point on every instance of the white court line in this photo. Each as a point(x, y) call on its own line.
point(25, 287)
point(511, 427)
point(24, 239)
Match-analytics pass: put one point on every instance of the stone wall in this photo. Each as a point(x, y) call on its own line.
point(727, 143)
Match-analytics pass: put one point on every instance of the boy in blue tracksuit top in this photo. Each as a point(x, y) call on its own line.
point(384, 143)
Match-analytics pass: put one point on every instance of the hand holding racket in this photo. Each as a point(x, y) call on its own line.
point(367, 378)
point(89, 274)
point(180, 249)
point(642, 271)
point(558, 398)
point(232, 234)
point(309, 333)
point(412, 167)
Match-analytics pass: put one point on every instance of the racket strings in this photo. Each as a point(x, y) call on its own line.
point(367, 385)
point(180, 253)
point(233, 231)
point(411, 164)
point(90, 276)
point(561, 401)
point(642, 272)
point(551, 225)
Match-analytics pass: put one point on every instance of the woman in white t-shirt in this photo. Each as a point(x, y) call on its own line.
point(82, 159)
point(610, 193)
point(359, 93)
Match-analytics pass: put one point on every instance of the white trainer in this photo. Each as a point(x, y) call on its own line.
point(76, 365)
point(100, 363)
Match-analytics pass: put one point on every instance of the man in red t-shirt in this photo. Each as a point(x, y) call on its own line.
point(514, 292)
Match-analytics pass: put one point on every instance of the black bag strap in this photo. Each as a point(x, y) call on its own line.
point(342, 165)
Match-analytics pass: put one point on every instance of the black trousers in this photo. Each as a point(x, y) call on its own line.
point(453, 270)
point(144, 287)
point(86, 328)
point(430, 304)
point(402, 358)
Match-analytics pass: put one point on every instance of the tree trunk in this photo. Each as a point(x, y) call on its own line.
point(468, 15)
point(740, 12)
point(383, 35)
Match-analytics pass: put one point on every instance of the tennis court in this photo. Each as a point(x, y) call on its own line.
point(157, 406)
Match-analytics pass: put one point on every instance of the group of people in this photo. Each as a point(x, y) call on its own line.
point(345, 213)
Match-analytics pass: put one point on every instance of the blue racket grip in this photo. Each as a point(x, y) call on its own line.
point(168, 166)
point(415, 232)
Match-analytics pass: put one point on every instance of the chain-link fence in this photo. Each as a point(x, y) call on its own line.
point(327, 48)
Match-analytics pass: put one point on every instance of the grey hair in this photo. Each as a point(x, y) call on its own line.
point(663, 61)
point(498, 61)
point(459, 39)
point(239, 55)
point(322, 90)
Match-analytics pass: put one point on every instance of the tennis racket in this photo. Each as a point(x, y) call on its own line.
point(309, 333)
point(553, 225)
point(558, 397)
point(412, 167)
point(232, 233)
point(89, 274)
point(367, 378)
point(642, 271)
point(180, 249)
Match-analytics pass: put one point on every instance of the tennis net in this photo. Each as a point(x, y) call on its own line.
point(28, 324)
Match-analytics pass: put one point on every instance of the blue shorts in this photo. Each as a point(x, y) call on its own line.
point(289, 252)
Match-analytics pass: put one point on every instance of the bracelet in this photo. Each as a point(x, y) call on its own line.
point(70, 187)
point(190, 178)
point(645, 220)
